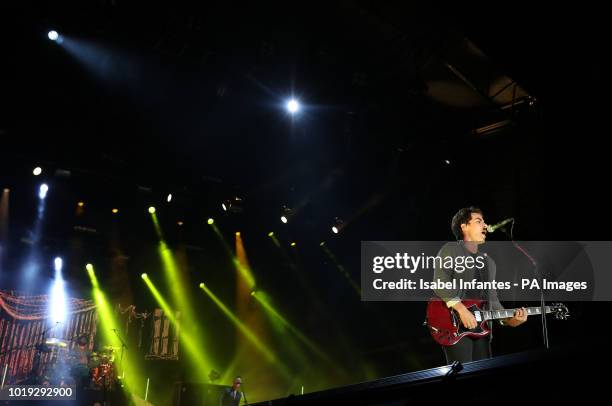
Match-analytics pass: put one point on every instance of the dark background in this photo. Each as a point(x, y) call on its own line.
point(140, 101)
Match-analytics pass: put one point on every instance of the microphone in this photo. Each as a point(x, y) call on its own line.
point(492, 228)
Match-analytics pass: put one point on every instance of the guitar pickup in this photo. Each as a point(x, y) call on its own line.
point(478, 316)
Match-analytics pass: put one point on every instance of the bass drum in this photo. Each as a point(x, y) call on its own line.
point(103, 377)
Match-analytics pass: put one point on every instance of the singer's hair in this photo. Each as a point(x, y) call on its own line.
point(463, 216)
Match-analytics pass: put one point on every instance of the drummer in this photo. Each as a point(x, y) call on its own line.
point(81, 353)
point(81, 356)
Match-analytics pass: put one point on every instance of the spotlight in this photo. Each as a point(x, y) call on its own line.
point(80, 204)
point(151, 209)
point(338, 225)
point(293, 244)
point(53, 35)
point(89, 267)
point(271, 234)
point(42, 191)
point(293, 106)
point(233, 205)
point(286, 214)
point(202, 285)
point(322, 243)
point(237, 233)
point(144, 276)
point(37, 171)
point(115, 211)
point(180, 223)
point(58, 263)
point(211, 221)
point(57, 303)
point(169, 198)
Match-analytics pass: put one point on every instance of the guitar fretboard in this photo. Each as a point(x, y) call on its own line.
point(504, 314)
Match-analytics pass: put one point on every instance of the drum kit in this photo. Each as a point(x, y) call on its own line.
point(102, 367)
point(92, 370)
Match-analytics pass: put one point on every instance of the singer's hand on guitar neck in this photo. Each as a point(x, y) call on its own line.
point(467, 318)
point(520, 316)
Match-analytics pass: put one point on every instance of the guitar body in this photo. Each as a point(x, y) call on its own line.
point(445, 325)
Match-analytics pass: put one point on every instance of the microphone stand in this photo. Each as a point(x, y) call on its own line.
point(123, 345)
point(536, 271)
point(246, 402)
point(43, 343)
point(37, 357)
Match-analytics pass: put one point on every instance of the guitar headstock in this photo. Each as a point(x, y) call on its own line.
point(560, 311)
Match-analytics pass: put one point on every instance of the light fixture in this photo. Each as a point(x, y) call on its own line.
point(286, 214)
point(337, 226)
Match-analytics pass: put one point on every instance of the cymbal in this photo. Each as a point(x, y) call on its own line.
point(56, 342)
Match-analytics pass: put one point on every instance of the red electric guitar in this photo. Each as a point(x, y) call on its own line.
point(445, 324)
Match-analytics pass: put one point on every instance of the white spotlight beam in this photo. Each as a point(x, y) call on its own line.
point(42, 191)
point(293, 106)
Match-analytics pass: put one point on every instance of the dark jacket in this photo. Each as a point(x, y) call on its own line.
point(227, 398)
point(455, 249)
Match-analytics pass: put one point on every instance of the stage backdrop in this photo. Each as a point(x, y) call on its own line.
point(24, 325)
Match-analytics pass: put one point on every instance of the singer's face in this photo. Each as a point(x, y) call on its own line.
point(475, 230)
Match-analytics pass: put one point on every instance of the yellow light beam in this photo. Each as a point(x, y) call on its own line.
point(263, 299)
point(190, 344)
point(156, 224)
point(108, 322)
point(244, 271)
point(178, 290)
point(243, 329)
point(223, 242)
point(274, 239)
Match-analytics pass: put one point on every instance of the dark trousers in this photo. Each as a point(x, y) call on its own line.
point(468, 349)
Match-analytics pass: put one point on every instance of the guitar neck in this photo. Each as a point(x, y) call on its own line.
point(504, 314)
